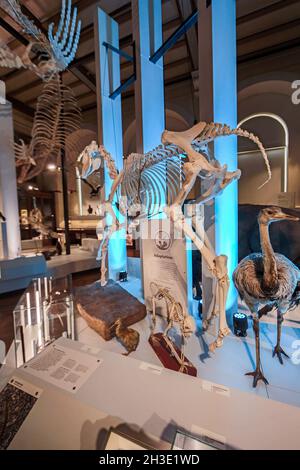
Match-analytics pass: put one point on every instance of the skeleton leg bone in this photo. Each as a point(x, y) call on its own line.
point(215, 264)
point(110, 230)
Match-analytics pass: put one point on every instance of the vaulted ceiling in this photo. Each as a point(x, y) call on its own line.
point(265, 28)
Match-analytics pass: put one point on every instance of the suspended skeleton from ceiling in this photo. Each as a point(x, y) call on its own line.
point(57, 116)
point(57, 113)
point(160, 181)
point(53, 54)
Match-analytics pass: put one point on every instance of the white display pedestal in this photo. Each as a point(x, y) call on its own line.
point(150, 401)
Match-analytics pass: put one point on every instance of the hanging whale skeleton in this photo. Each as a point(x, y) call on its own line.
point(160, 181)
point(57, 113)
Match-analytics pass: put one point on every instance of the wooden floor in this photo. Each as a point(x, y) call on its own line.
point(9, 301)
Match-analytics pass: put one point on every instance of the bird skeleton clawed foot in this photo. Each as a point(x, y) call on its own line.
point(278, 351)
point(257, 375)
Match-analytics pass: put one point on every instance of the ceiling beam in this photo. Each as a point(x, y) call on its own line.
point(84, 76)
point(11, 30)
point(26, 87)
point(185, 9)
point(269, 32)
point(265, 11)
point(129, 94)
point(267, 51)
point(21, 107)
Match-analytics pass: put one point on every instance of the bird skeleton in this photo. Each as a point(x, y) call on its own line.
point(90, 159)
point(162, 180)
point(54, 52)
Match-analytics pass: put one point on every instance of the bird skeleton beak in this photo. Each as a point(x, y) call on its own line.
point(284, 216)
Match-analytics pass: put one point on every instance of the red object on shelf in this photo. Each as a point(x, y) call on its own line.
point(162, 350)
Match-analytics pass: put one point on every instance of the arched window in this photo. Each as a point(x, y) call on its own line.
point(275, 154)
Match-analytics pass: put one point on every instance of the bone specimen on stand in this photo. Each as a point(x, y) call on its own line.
point(175, 314)
point(54, 53)
point(37, 223)
point(161, 180)
point(57, 115)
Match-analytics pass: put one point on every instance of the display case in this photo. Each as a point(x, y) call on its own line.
point(44, 313)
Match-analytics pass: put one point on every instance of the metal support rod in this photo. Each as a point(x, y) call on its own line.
point(123, 87)
point(65, 194)
point(132, 77)
point(118, 51)
point(183, 28)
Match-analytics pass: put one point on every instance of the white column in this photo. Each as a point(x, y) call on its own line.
point(110, 132)
point(8, 184)
point(218, 103)
point(149, 85)
point(150, 102)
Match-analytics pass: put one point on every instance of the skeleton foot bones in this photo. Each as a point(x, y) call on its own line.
point(138, 178)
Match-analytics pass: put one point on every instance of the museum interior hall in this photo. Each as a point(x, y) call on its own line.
point(149, 225)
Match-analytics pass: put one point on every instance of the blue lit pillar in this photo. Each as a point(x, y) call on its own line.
point(149, 98)
point(109, 114)
point(8, 185)
point(149, 85)
point(218, 102)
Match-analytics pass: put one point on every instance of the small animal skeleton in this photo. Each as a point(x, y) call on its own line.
point(128, 337)
point(54, 52)
point(35, 219)
point(175, 314)
point(161, 180)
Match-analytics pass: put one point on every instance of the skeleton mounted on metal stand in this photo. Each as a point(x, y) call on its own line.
point(168, 173)
point(175, 314)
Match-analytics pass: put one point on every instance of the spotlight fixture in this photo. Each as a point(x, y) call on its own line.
point(240, 324)
point(123, 276)
point(51, 167)
point(30, 188)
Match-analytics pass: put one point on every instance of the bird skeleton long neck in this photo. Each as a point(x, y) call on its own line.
point(270, 275)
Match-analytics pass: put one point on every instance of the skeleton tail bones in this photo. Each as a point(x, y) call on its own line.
point(204, 133)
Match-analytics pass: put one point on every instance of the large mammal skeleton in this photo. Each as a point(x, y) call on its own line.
point(183, 155)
